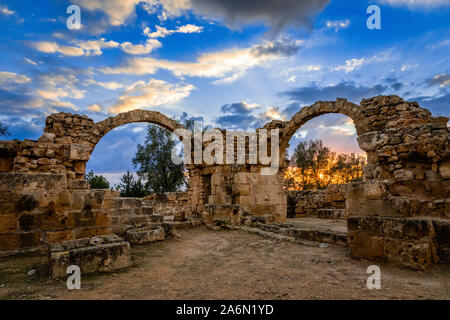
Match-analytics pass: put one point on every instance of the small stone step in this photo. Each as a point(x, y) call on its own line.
point(97, 254)
point(168, 218)
point(331, 213)
point(326, 236)
point(156, 218)
point(146, 210)
point(170, 227)
point(145, 235)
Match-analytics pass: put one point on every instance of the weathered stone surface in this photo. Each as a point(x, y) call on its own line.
point(113, 254)
point(310, 202)
point(408, 242)
point(406, 176)
point(145, 235)
point(444, 170)
point(223, 215)
point(80, 152)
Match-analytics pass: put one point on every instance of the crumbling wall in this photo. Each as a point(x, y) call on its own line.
point(230, 191)
point(170, 204)
point(407, 178)
point(308, 202)
point(41, 208)
point(68, 142)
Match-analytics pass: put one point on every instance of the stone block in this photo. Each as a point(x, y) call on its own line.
point(374, 190)
point(10, 241)
point(242, 189)
point(417, 256)
point(444, 170)
point(403, 175)
point(442, 229)
point(79, 152)
point(102, 219)
point(80, 167)
point(145, 235)
point(394, 228)
point(8, 223)
point(59, 236)
point(86, 232)
point(105, 254)
point(365, 246)
point(419, 229)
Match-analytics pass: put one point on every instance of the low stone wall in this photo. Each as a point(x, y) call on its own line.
point(404, 230)
point(44, 208)
point(408, 242)
point(175, 204)
point(309, 201)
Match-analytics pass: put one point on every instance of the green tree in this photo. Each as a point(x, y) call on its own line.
point(129, 187)
point(154, 164)
point(349, 167)
point(126, 185)
point(97, 182)
point(4, 130)
point(314, 156)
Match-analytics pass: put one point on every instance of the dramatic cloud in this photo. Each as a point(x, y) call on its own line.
point(347, 90)
point(438, 105)
point(53, 47)
point(337, 25)
point(94, 47)
point(417, 3)
point(29, 61)
point(153, 93)
point(95, 108)
point(8, 78)
point(107, 85)
point(245, 116)
point(441, 80)
point(137, 49)
point(6, 11)
point(351, 65)
point(19, 102)
point(52, 94)
point(335, 130)
point(280, 48)
point(117, 11)
point(356, 64)
point(227, 65)
point(277, 14)
point(394, 83)
point(162, 32)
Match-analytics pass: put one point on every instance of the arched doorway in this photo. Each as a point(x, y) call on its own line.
point(162, 124)
point(319, 209)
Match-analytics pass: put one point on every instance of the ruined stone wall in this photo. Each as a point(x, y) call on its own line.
point(68, 142)
point(227, 191)
point(407, 178)
point(308, 202)
point(170, 204)
point(41, 208)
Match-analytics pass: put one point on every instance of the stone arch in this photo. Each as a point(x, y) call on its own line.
point(305, 114)
point(103, 127)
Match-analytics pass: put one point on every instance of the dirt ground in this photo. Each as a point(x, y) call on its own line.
point(204, 264)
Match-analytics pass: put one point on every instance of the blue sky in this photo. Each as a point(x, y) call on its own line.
point(236, 64)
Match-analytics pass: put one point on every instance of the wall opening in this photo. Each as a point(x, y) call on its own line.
point(323, 156)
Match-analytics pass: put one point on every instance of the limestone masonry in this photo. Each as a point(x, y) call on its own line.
point(400, 213)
